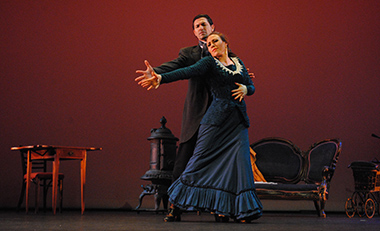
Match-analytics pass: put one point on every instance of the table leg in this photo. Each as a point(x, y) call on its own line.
point(55, 183)
point(83, 179)
point(28, 172)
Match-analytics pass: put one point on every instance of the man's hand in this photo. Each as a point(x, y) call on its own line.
point(251, 74)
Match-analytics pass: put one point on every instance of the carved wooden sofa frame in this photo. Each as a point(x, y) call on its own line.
point(292, 174)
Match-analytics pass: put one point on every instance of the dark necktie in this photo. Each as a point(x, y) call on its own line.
point(204, 51)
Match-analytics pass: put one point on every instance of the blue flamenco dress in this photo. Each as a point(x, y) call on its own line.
point(218, 178)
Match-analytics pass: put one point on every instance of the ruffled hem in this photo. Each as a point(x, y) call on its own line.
point(240, 206)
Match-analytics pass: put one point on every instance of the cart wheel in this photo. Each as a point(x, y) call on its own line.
point(359, 200)
point(375, 197)
point(350, 207)
point(370, 208)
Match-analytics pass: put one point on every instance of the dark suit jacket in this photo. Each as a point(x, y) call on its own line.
point(198, 96)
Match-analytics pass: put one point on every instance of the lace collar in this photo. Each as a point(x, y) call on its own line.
point(235, 60)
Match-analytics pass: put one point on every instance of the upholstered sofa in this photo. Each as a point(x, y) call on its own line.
point(293, 174)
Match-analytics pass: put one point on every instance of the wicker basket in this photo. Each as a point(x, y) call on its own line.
point(366, 176)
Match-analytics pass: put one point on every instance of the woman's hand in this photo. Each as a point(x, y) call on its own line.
point(149, 79)
point(240, 92)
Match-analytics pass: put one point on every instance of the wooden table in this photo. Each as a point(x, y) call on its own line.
point(55, 153)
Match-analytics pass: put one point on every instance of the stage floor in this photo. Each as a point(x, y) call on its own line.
point(102, 220)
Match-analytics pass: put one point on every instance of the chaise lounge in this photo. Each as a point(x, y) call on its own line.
point(292, 174)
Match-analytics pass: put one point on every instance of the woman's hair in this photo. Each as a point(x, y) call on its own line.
point(224, 38)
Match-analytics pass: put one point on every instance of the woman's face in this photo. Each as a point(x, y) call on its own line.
point(216, 46)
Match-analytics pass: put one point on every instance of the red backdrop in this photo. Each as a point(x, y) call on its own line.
point(67, 78)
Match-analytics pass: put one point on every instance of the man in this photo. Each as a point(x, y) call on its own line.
point(197, 100)
point(198, 96)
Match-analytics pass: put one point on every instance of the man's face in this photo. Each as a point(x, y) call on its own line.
point(202, 28)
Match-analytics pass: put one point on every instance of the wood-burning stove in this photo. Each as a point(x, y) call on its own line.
point(163, 146)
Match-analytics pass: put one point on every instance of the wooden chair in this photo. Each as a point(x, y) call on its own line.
point(41, 179)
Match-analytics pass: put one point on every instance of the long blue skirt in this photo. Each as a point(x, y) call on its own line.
point(218, 177)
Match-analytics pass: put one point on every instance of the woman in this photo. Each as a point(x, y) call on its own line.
point(218, 177)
